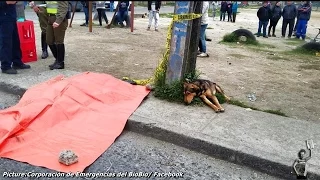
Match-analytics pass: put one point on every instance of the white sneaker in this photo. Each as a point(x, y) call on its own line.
point(203, 55)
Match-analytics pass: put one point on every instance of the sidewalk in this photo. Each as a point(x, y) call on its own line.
point(263, 141)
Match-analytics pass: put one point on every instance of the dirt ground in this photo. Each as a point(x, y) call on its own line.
point(279, 82)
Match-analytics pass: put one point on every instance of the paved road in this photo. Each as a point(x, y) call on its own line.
point(30, 15)
point(136, 153)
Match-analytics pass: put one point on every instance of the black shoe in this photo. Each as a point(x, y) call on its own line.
point(10, 71)
point(58, 65)
point(269, 35)
point(84, 24)
point(265, 36)
point(273, 35)
point(22, 66)
point(44, 55)
point(53, 64)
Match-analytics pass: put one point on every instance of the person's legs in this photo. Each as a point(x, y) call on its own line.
point(203, 46)
point(295, 27)
point(43, 21)
point(259, 28)
point(274, 28)
point(16, 50)
point(104, 15)
point(291, 25)
point(224, 16)
point(221, 15)
point(111, 7)
point(284, 27)
point(86, 13)
point(270, 26)
point(156, 20)
point(99, 16)
point(59, 35)
point(151, 14)
point(264, 25)
point(304, 25)
point(6, 32)
point(234, 14)
point(299, 29)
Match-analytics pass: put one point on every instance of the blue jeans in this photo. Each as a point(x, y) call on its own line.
point(202, 42)
point(263, 24)
point(302, 28)
point(86, 13)
point(122, 16)
point(10, 51)
point(111, 7)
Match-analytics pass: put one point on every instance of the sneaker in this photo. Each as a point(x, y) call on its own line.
point(23, 66)
point(265, 36)
point(84, 24)
point(273, 35)
point(203, 55)
point(10, 71)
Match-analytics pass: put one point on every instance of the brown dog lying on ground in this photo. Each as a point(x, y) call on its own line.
point(205, 90)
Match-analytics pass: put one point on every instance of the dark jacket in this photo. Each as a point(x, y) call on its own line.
point(289, 12)
point(229, 7)
point(7, 12)
point(264, 13)
point(299, 12)
point(123, 6)
point(276, 13)
point(224, 6)
point(157, 4)
point(305, 12)
point(85, 3)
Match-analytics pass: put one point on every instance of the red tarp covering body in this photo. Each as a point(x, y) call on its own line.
point(84, 113)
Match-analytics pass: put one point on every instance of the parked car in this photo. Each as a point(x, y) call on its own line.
point(79, 5)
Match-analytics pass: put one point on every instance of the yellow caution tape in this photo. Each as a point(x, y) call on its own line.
point(182, 17)
point(162, 66)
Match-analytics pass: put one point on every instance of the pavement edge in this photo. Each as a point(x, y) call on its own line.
point(195, 144)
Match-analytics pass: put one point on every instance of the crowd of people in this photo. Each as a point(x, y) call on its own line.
point(295, 17)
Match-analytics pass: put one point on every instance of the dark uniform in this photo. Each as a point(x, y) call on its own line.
point(10, 52)
point(57, 13)
point(43, 21)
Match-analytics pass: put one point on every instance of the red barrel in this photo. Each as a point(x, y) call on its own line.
point(27, 41)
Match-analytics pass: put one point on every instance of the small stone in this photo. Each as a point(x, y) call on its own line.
point(150, 87)
point(248, 109)
point(255, 175)
point(68, 157)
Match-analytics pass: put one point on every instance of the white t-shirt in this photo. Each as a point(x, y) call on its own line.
point(205, 16)
point(153, 6)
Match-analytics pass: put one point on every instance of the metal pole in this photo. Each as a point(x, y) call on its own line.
point(73, 12)
point(90, 16)
point(132, 15)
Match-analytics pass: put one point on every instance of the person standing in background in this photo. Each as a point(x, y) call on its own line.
point(111, 6)
point(276, 12)
point(39, 7)
point(289, 14)
point(214, 9)
point(223, 10)
point(85, 5)
point(101, 8)
point(305, 13)
point(263, 15)
point(234, 11)
point(154, 8)
point(56, 30)
point(229, 11)
point(10, 51)
point(298, 14)
point(203, 27)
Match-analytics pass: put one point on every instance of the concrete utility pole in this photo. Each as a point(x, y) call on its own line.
point(184, 42)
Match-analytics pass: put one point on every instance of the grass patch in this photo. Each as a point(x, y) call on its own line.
point(241, 104)
point(166, 15)
point(232, 38)
point(264, 45)
point(294, 42)
point(302, 54)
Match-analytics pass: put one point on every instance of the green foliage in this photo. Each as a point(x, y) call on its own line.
point(233, 38)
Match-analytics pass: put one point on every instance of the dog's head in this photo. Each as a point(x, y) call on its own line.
point(190, 91)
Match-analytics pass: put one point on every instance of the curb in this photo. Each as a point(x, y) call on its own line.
point(197, 145)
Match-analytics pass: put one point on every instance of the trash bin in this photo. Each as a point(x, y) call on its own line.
point(20, 11)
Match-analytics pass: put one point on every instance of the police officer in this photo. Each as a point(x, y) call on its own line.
point(40, 8)
point(56, 29)
point(10, 52)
